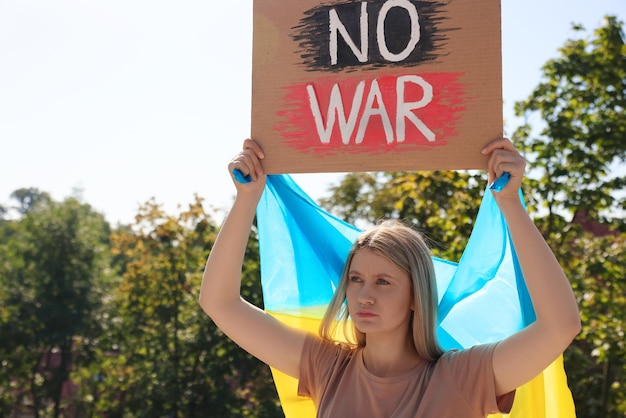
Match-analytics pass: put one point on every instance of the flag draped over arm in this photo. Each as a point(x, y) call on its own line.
point(482, 298)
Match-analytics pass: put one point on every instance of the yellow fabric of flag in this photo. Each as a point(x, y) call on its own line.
point(546, 396)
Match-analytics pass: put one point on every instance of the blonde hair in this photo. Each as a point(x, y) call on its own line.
point(407, 249)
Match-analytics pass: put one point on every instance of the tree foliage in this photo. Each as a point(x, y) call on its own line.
point(51, 276)
point(114, 317)
point(161, 355)
point(596, 361)
point(441, 204)
point(579, 145)
point(28, 198)
point(579, 175)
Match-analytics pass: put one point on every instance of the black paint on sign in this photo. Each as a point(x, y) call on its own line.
point(313, 35)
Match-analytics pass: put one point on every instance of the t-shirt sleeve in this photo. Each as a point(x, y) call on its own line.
point(471, 371)
point(318, 358)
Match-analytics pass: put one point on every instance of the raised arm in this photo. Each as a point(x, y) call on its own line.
point(524, 355)
point(220, 297)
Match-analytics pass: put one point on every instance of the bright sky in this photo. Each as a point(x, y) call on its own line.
point(132, 99)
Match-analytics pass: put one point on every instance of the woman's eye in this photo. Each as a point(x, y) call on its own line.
point(355, 279)
point(382, 281)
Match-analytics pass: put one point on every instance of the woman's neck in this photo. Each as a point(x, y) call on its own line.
point(385, 357)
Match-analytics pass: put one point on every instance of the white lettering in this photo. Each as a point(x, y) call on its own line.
point(404, 109)
point(374, 106)
point(415, 30)
point(335, 107)
point(375, 95)
point(336, 26)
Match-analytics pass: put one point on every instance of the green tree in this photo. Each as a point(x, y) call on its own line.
point(441, 204)
point(595, 362)
point(28, 198)
point(161, 355)
point(578, 175)
point(52, 268)
point(578, 149)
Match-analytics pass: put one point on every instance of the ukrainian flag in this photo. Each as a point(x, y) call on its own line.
point(482, 298)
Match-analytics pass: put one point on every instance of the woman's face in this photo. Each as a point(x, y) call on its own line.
point(379, 294)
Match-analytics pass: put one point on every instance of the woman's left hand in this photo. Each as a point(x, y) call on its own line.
point(504, 158)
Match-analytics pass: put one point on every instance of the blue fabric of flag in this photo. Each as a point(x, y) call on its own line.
point(303, 248)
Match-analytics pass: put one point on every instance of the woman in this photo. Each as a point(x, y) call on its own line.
point(396, 368)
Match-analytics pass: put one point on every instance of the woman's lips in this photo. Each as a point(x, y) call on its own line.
point(364, 313)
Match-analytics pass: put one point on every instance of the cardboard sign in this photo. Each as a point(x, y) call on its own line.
point(381, 85)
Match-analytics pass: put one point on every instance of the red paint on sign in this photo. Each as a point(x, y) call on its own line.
point(385, 114)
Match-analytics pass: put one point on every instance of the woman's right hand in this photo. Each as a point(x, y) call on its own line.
point(248, 163)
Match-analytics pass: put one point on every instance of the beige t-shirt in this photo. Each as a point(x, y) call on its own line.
point(459, 384)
